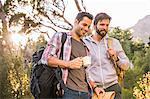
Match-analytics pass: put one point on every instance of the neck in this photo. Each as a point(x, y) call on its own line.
point(97, 37)
point(75, 36)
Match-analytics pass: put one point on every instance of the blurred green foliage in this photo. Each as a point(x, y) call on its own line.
point(15, 61)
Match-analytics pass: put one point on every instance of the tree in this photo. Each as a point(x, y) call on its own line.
point(44, 17)
point(142, 90)
point(42, 14)
point(137, 52)
point(3, 47)
point(15, 16)
point(125, 37)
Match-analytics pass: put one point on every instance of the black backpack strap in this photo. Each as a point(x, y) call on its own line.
point(58, 70)
point(63, 40)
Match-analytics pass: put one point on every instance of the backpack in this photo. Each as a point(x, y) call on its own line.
point(119, 71)
point(46, 81)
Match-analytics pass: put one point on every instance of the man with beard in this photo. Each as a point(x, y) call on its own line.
point(101, 73)
point(73, 74)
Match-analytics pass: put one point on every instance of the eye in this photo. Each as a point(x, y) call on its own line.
point(102, 24)
point(84, 24)
point(89, 26)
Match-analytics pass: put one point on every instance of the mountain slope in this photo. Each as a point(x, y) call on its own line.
point(142, 29)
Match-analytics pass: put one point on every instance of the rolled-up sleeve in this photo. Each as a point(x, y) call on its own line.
point(123, 59)
point(51, 48)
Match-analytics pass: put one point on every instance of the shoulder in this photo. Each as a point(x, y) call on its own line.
point(57, 34)
point(55, 39)
point(114, 40)
point(87, 39)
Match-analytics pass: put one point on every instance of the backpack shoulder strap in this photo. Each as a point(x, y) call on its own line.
point(58, 70)
point(109, 42)
point(119, 71)
point(63, 40)
point(64, 37)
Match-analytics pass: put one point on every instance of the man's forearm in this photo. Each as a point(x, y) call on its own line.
point(55, 62)
point(124, 66)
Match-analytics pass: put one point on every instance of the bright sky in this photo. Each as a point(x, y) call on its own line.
point(124, 13)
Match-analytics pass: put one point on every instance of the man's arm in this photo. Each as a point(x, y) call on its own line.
point(96, 89)
point(73, 64)
point(50, 55)
point(121, 59)
point(119, 55)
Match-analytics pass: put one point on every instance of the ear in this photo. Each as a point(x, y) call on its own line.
point(76, 21)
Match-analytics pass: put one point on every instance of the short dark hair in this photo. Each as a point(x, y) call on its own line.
point(101, 16)
point(80, 16)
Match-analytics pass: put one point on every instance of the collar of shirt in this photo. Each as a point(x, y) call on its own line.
point(89, 38)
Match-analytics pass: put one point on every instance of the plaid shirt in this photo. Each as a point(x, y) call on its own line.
point(53, 49)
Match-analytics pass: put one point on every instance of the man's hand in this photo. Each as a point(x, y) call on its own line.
point(75, 63)
point(99, 91)
point(113, 55)
point(112, 52)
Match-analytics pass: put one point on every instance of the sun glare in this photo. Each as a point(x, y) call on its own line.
point(34, 36)
point(19, 39)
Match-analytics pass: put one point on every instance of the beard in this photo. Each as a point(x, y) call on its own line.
point(102, 33)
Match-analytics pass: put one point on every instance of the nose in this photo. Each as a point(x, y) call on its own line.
point(86, 29)
point(105, 27)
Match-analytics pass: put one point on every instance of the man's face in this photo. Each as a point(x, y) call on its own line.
point(82, 27)
point(102, 27)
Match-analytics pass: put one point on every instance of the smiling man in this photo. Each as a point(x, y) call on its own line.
point(74, 49)
point(102, 73)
